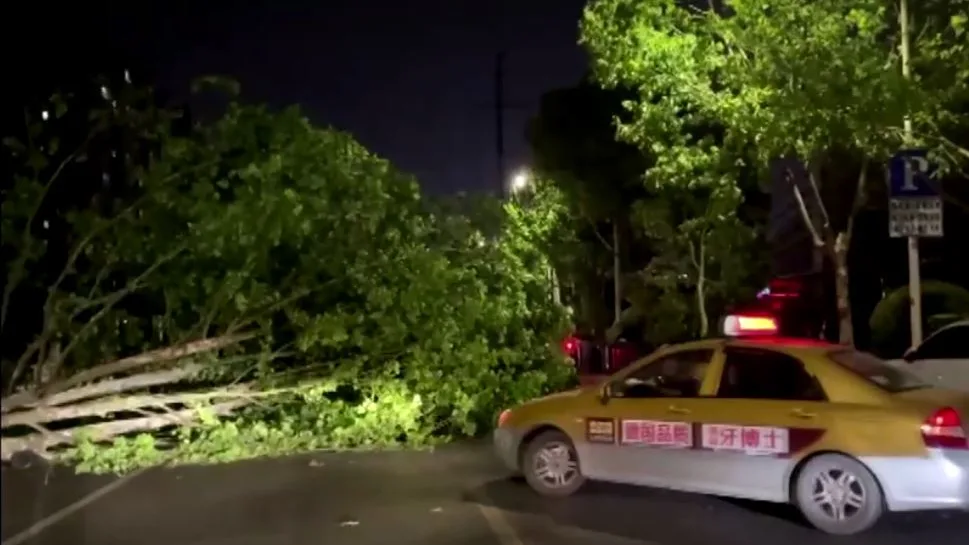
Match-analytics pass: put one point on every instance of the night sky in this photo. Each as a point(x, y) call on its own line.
point(412, 80)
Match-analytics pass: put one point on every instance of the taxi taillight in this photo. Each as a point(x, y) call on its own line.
point(944, 430)
point(503, 417)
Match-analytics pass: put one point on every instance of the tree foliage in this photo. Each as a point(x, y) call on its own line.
point(574, 147)
point(367, 317)
point(699, 250)
point(804, 80)
point(573, 141)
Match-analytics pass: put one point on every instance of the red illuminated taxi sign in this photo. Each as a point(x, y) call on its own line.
point(742, 325)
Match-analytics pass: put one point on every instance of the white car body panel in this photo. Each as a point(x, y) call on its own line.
point(953, 374)
point(949, 366)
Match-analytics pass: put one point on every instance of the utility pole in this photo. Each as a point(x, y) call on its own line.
point(500, 118)
point(616, 273)
point(914, 265)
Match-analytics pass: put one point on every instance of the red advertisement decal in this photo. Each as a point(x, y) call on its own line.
point(746, 439)
point(657, 433)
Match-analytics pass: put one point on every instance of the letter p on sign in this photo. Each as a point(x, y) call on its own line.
point(914, 166)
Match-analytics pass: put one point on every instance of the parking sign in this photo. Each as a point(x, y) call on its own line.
point(915, 207)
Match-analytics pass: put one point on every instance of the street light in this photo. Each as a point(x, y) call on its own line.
point(520, 181)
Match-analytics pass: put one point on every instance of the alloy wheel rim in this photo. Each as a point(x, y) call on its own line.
point(838, 494)
point(556, 465)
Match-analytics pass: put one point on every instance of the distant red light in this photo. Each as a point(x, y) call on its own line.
point(785, 287)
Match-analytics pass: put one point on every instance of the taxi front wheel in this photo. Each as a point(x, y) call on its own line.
point(838, 495)
point(551, 465)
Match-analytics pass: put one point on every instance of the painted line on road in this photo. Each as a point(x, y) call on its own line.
point(38, 527)
point(499, 525)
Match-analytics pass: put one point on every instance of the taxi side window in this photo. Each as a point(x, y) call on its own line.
point(676, 375)
point(750, 373)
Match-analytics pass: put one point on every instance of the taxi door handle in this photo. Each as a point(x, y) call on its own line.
point(678, 410)
point(801, 413)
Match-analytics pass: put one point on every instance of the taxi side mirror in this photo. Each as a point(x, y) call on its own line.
point(605, 393)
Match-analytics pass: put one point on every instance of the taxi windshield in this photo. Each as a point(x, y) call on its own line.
point(884, 375)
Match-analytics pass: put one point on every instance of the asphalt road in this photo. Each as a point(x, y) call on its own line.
point(456, 495)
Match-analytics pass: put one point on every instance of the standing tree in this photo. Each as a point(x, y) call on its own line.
point(814, 81)
point(540, 217)
point(573, 141)
point(700, 246)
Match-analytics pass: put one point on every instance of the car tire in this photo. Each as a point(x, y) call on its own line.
point(838, 495)
point(551, 466)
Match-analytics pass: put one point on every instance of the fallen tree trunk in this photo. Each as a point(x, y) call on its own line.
point(40, 442)
point(102, 407)
point(26, 400)
point(123, 365)
point(154, 356)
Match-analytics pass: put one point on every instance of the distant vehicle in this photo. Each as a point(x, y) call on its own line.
point(836, 432)
point(595, 361)
point(943, 358)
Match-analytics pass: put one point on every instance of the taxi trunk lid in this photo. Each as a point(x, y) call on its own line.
point(929, 400)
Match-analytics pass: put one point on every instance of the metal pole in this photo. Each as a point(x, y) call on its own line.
point(616, 266)
point(500, 120)
point(914, 272)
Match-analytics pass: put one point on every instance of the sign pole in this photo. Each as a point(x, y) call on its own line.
point(914, 272)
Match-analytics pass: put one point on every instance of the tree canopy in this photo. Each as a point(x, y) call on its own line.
point(812, 81)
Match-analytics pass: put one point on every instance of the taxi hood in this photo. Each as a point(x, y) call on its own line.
point(559, 397)
point(575, 392)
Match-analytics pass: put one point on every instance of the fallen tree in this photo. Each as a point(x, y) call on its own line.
point(329, 307)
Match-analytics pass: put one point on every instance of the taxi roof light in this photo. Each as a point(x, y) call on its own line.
point(739, 325)
point(944, 430)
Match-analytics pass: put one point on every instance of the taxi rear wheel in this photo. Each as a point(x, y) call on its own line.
point(551, 466)
point(838, 495)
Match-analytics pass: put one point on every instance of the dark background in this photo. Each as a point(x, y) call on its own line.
point(414, 81)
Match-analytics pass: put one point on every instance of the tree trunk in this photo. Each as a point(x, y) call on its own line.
point(556, 288)
point(701, 289)
point(40, 442)
point(839, 253)
point(616, 274)
point(835, 245)
point(28, 400)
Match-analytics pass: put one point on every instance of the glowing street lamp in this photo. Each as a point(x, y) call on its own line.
point(520, 181)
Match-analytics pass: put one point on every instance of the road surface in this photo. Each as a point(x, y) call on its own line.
point(454, 496)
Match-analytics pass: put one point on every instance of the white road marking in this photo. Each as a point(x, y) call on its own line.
point(36, 528)
point(499, 525)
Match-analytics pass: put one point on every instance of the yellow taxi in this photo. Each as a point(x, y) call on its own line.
point(836, 432)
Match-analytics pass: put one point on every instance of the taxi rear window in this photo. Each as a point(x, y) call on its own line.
point(886, 376)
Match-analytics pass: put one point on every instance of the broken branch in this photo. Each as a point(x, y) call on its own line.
point(154, 356)
point(108, 387)
point(103, 407)
point(40, 443)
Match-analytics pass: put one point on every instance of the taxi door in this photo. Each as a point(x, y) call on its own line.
point(643, 431)
point(767, 410)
